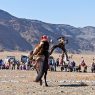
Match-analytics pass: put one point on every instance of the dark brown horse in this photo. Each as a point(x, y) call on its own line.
point(40, 54)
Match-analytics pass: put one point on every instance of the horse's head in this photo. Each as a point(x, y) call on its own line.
point(31, 52)
point(31, 56)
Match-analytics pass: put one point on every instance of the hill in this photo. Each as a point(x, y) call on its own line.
point(22, 34)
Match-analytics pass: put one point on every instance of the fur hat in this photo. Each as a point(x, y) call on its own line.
point(44, 38)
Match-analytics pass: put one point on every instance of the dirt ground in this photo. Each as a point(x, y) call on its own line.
point(20, 82)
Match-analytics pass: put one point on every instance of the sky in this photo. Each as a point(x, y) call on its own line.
point(78, 13)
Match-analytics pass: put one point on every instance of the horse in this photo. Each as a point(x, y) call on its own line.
point(40, 54)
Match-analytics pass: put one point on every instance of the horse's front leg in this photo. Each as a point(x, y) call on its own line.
point(45, 78)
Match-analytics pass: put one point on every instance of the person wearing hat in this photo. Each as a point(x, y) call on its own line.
point(42, 49)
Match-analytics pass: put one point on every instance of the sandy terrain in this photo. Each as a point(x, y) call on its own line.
point(12, 53)
point(20, 82)
point(60, 83)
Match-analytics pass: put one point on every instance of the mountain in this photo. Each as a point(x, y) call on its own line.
point(23, 34)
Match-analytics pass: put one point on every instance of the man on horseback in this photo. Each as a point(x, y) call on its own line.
point(41, 56)
point(61, 45)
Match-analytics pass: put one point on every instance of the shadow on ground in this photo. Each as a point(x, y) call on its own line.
point(73, 85)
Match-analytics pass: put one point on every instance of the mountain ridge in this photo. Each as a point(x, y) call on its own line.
point(22, 34)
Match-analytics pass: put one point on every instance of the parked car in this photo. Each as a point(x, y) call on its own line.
point(25, 62)
point(8, 60)
point(24, 58)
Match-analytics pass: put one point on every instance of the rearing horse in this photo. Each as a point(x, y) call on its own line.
point(41, 55)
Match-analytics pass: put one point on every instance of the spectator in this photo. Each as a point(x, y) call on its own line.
point(93, 67)
point(57, 62)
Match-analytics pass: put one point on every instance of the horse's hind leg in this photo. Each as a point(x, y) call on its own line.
point(40, 79)
point(45, 78)
point(41, 82)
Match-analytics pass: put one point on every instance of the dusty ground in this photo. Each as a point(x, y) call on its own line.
point(17, 82)
point(60, 83)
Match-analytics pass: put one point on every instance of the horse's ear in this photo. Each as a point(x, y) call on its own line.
point(31, 52)
point(58, 38)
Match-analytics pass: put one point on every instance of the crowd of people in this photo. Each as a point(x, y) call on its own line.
point(72, 66)
point(54, 64)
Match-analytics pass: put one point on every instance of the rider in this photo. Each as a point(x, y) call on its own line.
point(42, 49)
point(61, 45)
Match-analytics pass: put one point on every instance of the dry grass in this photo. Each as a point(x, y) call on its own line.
point(76, 57)
point(17, 54)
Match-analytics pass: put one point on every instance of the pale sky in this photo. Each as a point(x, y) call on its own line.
point(78, 13)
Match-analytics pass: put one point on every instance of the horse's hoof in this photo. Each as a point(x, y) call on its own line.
point(46, 85)
point(34, 81)
point(40, 82)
